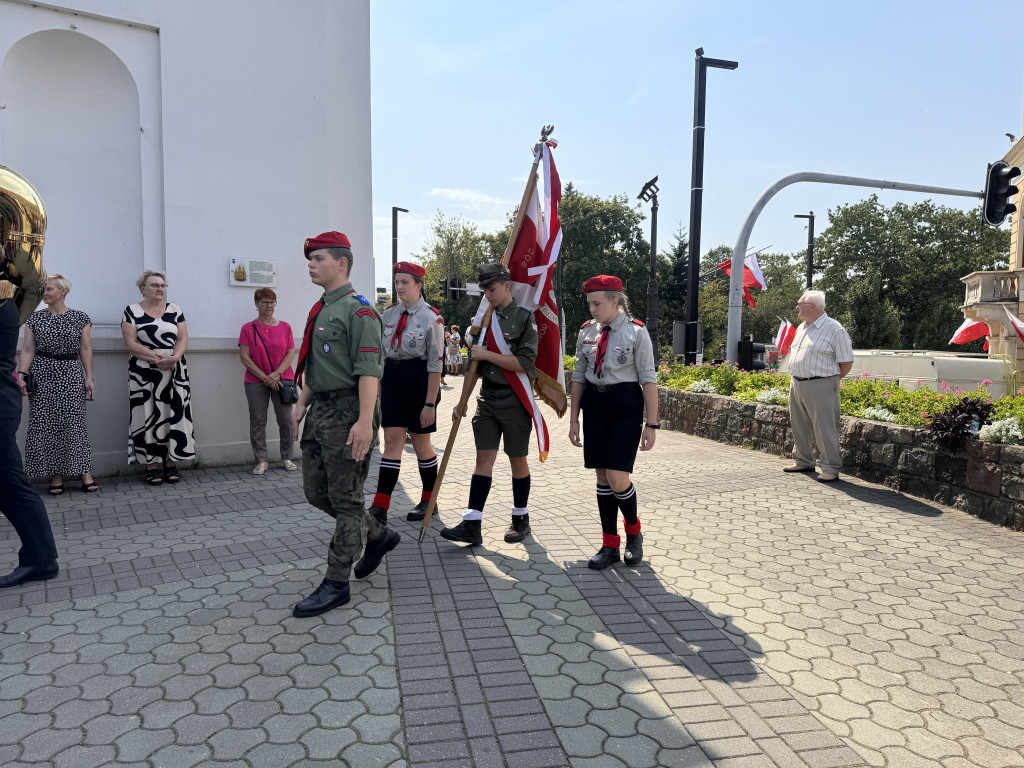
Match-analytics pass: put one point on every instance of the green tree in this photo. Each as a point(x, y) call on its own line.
point(454, 250)
point(918, 254)
point(872, 321)
point(672, 282)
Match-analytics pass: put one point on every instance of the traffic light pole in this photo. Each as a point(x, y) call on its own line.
point(736, 279)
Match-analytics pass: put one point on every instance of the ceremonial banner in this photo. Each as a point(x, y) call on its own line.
point(971, 330)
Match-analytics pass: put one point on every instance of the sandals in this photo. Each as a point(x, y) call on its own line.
point(154, 477)
point(90, 487)
point(56, 490)
point(289, 465)
point(171, 474)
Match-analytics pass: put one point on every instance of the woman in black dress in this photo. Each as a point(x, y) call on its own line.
point(160, 396)
point(57, 358)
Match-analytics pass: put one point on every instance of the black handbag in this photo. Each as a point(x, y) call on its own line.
point(31, 385)
point(289, 392)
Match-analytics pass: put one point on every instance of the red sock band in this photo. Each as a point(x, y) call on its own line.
point(382, 500)
point(632, 530)
point(425, 495)
point(607, 540)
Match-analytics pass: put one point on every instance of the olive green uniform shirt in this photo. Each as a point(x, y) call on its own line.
point(519, 328)
point(345, 343)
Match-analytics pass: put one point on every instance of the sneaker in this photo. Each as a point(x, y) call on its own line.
point(797, 468)
point(828, 477)
point(634, 549)
point(519, 529)
point(418, 512)
point(467, 532)
point(605, 556)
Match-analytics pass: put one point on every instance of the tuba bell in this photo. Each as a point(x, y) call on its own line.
point(22, 226)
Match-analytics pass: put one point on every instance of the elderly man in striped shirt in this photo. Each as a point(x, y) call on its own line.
point(821, 354)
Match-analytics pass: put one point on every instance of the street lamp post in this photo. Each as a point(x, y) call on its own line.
point(394, 247)
point(697, 191)
point(649, 194)
point(810, 244)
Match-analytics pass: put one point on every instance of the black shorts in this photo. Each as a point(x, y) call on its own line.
point(613, 423)
point(500, 415)
point(403, 391)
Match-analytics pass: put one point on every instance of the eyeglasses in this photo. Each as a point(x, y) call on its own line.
point(268, 303)
point(160, 286)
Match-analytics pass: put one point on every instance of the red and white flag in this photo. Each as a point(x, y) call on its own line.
point(1015, 323)
point(531, 265)
point(752, 276)
point(971, 330)
point(784, 337)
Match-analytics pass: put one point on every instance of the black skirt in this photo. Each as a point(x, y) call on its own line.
point(403, 392)
point(613, 423)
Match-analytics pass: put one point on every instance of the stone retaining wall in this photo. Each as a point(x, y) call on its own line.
point(985, 479)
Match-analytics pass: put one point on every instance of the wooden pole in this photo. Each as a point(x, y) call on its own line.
point(469, 382)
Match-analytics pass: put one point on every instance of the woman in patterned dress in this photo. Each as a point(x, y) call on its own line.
point(160, 397)
point(57, 353)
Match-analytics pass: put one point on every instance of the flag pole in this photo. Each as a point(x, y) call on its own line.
point(469, 381)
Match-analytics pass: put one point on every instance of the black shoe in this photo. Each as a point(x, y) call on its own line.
point(418, 512)
point(24, 573)
point(604, 557)
point(634, 549)
point(380, 513)
point(375, 552)
point(518, 530)
point(468, 532)
point(330, 594)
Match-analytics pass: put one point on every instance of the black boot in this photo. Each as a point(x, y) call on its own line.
point(519, 529)
point(380, 513)
point(330, 594)
point(634, 548)
point(375, 552)
point(24, 573)
point(418, 512)
point(604, 557)
point(468, 532)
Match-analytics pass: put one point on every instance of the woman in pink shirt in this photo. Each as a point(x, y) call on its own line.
point(267, 346)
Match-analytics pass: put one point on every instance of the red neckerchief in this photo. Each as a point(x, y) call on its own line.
point(602, 350)
point(398, 331)
point(307, 337)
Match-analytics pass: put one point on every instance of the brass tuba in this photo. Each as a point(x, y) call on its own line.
point(22, 225)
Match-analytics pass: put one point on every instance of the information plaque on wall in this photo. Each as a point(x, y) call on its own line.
point(253, 273)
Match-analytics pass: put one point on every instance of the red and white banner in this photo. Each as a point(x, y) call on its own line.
point(1015, 323)
point(971, 330)
point(531, 265)
point(752, 276)
point(521, 384)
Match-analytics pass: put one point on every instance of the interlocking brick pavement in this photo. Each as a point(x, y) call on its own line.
point(775, 622)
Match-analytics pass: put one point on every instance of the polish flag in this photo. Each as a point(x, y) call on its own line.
point(781, 334)
point(1017, 325)
point(971, 330)
point(752, 276)
point(784, 338)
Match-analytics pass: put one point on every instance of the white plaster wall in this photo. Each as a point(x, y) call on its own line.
point(254, 120)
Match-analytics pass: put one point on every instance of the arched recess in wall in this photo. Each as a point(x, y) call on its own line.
point(71, 126)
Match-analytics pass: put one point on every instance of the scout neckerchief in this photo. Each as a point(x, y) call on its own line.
point(396, 340)
point(602, 350)
point(306, 339)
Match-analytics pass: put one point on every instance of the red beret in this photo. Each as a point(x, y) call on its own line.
point(602, 283)
point(326, 240)
point(409, 268)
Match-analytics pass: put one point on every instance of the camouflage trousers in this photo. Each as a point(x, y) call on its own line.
point(333, 480)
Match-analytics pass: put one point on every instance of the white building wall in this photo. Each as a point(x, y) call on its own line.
point(253, 133)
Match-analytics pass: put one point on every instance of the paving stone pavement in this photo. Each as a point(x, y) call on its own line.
point(776, 621)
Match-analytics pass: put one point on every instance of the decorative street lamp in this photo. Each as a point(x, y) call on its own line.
point(649, 194)
point(810, 243)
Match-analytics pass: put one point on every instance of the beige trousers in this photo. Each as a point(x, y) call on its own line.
point(814, 415)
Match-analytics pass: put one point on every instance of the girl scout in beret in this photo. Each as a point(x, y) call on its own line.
point(411, 387)
point(613, 383)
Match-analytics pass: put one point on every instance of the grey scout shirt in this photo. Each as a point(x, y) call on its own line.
point(345, 343)
point(519, 330)
point(630, 355)
point(422, 338)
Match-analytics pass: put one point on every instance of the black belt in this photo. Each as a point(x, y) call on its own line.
point(407, 362)
point(71, 356)
point(610, 387)
point(810, 378)
point(333, 394)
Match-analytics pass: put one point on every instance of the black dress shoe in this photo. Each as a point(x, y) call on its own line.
point(24, 573)
point(330, 594)
point(468, 532)
point(380, 513)
point(519, 529)
point(375, 552)
point(605, 556)
point(418, 512)
point(634, 549)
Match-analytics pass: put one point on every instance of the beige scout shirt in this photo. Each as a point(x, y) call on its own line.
point(422, 338)
point(630, 354)
point(818, 349)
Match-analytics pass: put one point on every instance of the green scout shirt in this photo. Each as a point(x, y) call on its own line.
point(345, 343)
point(520, 331)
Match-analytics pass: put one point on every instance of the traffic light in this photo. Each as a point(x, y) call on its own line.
point(443, 283)
point(746, 353)
point(999, 191)
point(455, 287)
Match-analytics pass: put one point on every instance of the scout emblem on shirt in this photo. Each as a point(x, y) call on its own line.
point(411, 343)
point(327, 348)
point(622, 355)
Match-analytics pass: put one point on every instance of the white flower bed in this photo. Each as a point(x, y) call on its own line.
point(1003, 431)
point(877, 413)
point(704, 386)
point(773, 396)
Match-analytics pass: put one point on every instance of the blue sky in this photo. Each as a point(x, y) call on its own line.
point(909, 91)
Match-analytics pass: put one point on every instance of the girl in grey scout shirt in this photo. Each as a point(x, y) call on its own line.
point(411, 387)
point(613, 382)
